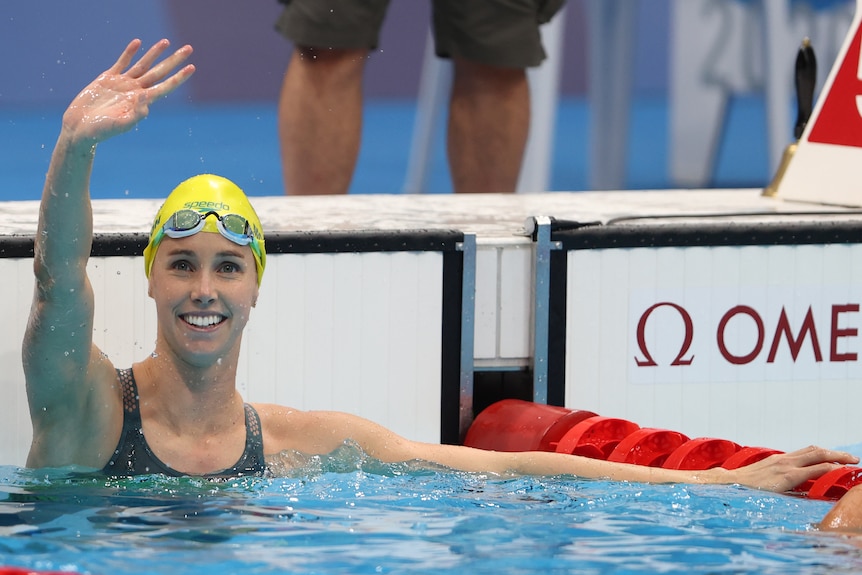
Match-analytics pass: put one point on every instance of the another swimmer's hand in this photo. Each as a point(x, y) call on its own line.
point(784, 471)
point(120, 97)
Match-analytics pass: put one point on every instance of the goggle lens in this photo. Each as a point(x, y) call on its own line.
point(185, 223)
point(235, 224)
point(185, 220)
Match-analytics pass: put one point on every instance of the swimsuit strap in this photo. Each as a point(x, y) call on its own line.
point(253, 461)
point(133, 455)
point(131, 407)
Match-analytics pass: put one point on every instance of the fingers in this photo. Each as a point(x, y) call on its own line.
point(143, 65)
point(145, 69)
point(126, 57)
point(811, 463)
point(816, 471)
point(784, 471)
point(171, 83)
point(163, 69)
point(156, 78)
point(812, 455)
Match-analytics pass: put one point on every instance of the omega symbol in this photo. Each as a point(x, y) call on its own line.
point(686, 343)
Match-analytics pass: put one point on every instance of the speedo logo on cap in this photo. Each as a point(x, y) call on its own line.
point(206, 206)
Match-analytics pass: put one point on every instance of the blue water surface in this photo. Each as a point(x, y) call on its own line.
point(347, 514)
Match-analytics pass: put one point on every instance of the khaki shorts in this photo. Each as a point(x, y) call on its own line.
point(502, 33)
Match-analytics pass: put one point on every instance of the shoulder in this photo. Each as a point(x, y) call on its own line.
point(311, 432)
point(846, 515)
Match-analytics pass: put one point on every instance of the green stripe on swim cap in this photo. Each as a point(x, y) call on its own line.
point(207, 193)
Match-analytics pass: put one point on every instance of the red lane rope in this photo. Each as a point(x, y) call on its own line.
point(516, 425)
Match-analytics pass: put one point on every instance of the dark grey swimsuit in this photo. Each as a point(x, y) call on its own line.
point(133, 455)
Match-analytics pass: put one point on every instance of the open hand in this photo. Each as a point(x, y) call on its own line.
point(120, 97)
point(784, 471)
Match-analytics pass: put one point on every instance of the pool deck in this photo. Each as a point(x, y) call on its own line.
point(492, 217)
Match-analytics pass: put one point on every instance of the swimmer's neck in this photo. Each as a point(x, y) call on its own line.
point(197, 374)
point(180, 393)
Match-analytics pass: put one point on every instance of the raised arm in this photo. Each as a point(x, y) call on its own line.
point(73, 404)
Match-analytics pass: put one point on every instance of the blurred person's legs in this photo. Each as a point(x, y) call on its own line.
point(320, 109)
point(489, 119)
point(320, 120)
point(320, 105)
point(491, 44)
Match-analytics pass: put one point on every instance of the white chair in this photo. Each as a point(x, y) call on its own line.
point(611, 34)
point(734, 46)
point(718, 49)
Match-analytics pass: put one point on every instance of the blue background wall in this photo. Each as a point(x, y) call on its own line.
point(223, 119)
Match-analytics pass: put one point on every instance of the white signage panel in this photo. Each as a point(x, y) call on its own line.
point(758, 344)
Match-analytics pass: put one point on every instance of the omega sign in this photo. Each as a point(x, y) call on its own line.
point(668, 334)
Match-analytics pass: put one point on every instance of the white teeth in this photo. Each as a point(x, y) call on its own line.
point(202, 321)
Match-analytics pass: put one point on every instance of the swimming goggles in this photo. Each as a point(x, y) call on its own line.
point(234, 227)
point(186, 223)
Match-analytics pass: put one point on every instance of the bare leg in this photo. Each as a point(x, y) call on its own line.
point(320, 120)
point(489, 118)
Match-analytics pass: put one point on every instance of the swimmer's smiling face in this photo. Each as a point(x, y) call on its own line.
point(204, 287)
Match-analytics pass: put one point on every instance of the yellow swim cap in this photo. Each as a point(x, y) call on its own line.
point(203, 194)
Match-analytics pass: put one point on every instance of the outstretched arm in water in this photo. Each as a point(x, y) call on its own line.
point(319, 432)
point(74, 406)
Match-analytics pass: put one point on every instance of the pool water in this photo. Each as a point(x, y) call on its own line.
point(348, 514)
